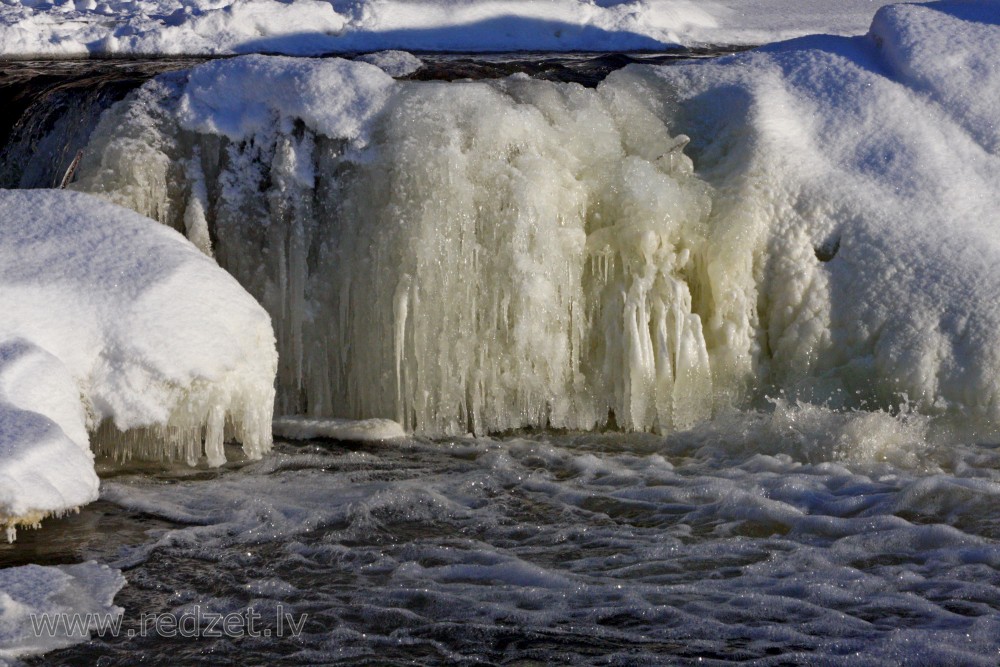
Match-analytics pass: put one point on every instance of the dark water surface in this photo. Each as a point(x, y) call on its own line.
point(549, 549)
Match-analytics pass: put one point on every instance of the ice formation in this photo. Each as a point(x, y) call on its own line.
point(861, 174)
point(475, 257)
point(360, 430)
point(312, 27)
point(116, 327)
point(485, 256)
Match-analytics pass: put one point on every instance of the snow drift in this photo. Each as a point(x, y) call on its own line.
point(117, 327)
point(493, 255)
point(312, 27)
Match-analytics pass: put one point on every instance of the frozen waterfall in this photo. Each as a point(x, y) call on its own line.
point(494, 255)
point(478, 256)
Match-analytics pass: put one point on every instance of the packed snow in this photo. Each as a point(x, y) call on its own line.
point(117, 327)
point(45, 608)
point(312, 27)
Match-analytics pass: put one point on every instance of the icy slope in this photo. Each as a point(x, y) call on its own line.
point(304, 27)
point(117, 325)
point(491, 255)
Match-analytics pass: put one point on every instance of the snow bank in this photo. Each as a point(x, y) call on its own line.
point(861, 176)
point(117, 325)
point(491, 255)
point(32, 596)
point(311, 27)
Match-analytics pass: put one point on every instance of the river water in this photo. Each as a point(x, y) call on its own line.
point(791, 536)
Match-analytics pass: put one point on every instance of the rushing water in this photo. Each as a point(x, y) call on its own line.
point(791, 537)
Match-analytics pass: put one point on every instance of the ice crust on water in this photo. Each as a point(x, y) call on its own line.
point(33, 591)
point(394, 63)
point(117, 327)
point(492, 255)
point(312, 27)
point(360, 430)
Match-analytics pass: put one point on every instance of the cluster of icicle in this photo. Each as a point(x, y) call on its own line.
point(495, 255)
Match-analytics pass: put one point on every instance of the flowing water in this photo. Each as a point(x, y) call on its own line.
point(799, 536)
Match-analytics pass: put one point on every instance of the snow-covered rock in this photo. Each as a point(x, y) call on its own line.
point(116, 325)
point(860, 175)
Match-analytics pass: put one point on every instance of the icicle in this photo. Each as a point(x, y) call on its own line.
point(195, 223)
point(400, 307)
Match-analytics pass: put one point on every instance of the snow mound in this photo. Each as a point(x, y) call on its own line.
point(312, 27)
point(241, 97)
point(36, 603)
point(116, 325)
point(861, 175)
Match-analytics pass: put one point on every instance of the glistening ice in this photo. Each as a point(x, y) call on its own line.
point(784, 262)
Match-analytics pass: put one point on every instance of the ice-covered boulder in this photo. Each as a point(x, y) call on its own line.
point(116, 326)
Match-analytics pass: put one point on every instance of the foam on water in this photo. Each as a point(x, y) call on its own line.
point(599, 549)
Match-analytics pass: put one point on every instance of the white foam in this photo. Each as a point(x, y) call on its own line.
point(692, 542)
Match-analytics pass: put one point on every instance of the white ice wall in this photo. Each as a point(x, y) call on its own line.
point(478, 256)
